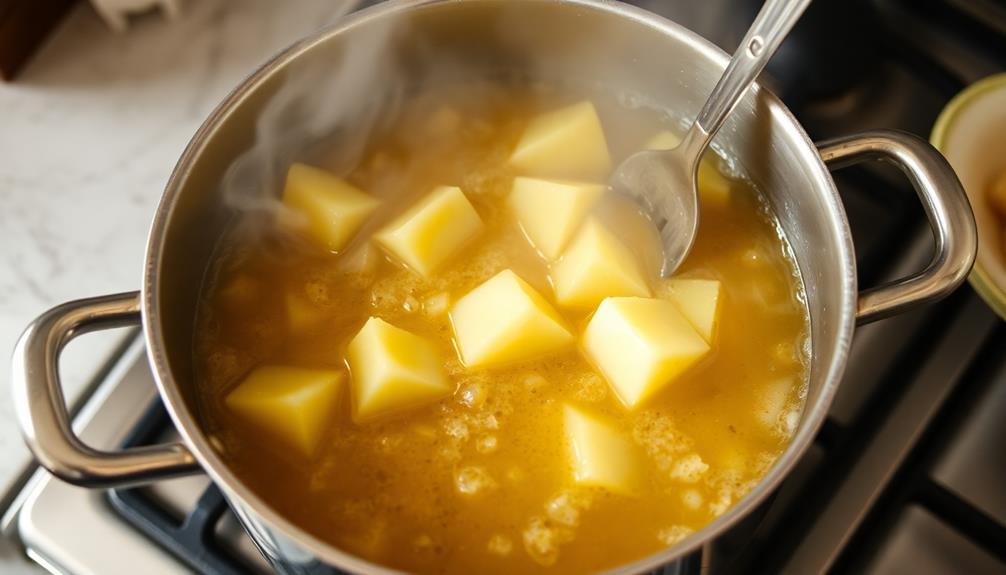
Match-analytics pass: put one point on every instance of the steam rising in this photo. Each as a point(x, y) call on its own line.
point(333, 101)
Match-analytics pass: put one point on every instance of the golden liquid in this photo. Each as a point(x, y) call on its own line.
point(388, 490)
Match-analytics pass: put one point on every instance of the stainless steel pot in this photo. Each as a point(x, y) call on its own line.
point(621, 46)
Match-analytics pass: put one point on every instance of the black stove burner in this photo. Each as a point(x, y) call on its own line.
point(192, 539)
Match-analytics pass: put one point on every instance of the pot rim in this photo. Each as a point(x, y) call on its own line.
point(191, 433)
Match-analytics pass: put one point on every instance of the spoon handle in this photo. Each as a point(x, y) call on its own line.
point(774, 21)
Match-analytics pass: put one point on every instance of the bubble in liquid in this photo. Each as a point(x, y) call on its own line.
point(661, 439)
point(486, 444)
point(772, 403)
point(692, 499)
point(721, 504)
point(671, 535)
point(487, 421)
point(689, 468)
point(473, 479)
point(410, 304)
point(542, 541)
point(591, 388)
point(500, 545)
point(565, 508)
point(472, 395)
point(790, 421)
point(535, 382)
point(456, 428)
point(449, 453)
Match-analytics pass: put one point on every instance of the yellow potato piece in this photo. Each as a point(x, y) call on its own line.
point(595, 266)
point(294, 404)
point(641, 345)
point(392, 370)
point(432, 231)
point(714, 187)
point(550, 211)
point(565, 143)
point(601, 456)
point(327, 208)
point(505, 320)
point(698, 300)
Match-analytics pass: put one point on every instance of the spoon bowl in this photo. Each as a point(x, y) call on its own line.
point(665, 183)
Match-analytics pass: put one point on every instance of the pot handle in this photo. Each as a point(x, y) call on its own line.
point(41, 408)
point(946, 207)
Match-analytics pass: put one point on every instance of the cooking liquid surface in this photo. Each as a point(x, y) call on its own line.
point(481, 481)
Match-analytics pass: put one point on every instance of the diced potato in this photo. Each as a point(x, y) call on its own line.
point(301, 314)
point(505, 320)
point(327, 208)
point(432, 231)
point(997, 195)
point(714, 187)
point(699, 301)
point(641, 345)
point(550, 211)
point(564, 143)
point(392, 370)
point(595, 266)
point(294, 404)
point(601, 456)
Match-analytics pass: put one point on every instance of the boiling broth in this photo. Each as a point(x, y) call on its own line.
point(480, 480)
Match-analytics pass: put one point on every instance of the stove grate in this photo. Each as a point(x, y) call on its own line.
point(192, 539)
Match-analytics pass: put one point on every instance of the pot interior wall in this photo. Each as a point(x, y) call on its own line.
point(538, 39)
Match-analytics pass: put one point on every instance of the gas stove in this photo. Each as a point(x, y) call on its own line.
point(907, 473)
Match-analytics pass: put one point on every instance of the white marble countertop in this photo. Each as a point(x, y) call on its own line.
point(88, 136)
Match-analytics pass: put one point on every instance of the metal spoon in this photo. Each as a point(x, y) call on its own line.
point(665, 181)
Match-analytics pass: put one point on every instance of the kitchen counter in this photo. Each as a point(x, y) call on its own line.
point(88, 136)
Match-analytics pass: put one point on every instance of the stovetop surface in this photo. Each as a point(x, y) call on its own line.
point(907, 473)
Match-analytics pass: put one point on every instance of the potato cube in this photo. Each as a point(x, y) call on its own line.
point(432, 231)
point(505, 320)
point(392, 370)
point(714, 187)
point(328, 209)
point(698, 300)
point(641, 345)
point(292, 403)
point(595, 266)
point(564, 143)
point(550, 211)
point(601, 456)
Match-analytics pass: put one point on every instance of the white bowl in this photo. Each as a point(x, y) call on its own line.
point(971, 133)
